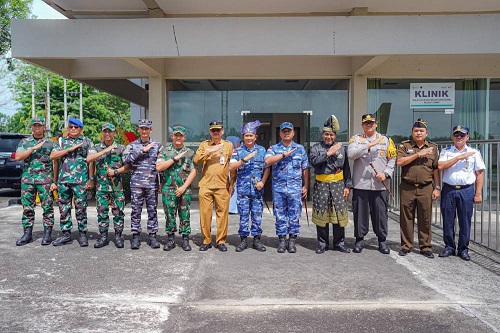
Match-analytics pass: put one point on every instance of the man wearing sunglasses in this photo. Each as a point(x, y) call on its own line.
point(462, 168)
point(215, 185)
point(76, 176)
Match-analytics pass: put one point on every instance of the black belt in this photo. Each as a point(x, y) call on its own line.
point(417, 184)
point(457, 187)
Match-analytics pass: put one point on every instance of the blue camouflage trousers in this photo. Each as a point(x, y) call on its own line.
point(139, 195)
point(250, 205)
point(66, 193)
point(287, 208)
point(28, 199)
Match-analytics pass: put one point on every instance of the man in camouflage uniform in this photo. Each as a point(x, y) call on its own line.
point(290, 185)
point(252, 173)
point(75, 178)
point(176, 162)
point(141, 155)
point(374, 157)
point(39, 176)
point(108, 157)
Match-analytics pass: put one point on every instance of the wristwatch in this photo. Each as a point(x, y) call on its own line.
point(437, 187)
point(116, 172)
point(91, 178)
point(388, 176)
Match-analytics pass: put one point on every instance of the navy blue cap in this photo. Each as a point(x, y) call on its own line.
point(75, 121)
point(285, 125)
point(461, 129)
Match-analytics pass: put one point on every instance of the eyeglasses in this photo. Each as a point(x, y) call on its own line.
point(71, 127)
point(368, 123)
point(459, 134)
point(215, 130)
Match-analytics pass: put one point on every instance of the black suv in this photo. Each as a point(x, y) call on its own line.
point(10, 169)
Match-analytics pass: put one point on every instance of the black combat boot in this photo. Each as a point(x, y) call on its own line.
point(291, 244)
point(170, 244)
point(153, 242)
point(242, 245)
point(258, 245)
point(26, 238)
point(185, 243)
point(135, 242)
point(103, 240)
point(118, 238)
point(47, 236)
point(282, 245)
point(64, 239)
point(82, 239)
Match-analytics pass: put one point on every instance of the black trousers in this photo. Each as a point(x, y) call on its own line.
point(338, 234)
point(368, 204)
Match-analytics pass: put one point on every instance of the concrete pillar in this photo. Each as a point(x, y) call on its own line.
point(358, 102)
point(157, 111)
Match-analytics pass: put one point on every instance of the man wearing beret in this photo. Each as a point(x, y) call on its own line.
point(252, 173)
point(141, 155)
point(463, 180)
point(420, 185)
point(39, 177)
point(75, 178)
point(374, 157)
point(290, 185)
point(108, 159)
point(176, 162)
point(215, 185)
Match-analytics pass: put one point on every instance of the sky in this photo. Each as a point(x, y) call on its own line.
point(42, 11)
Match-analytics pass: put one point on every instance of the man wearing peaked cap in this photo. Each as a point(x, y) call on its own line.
point(108, 158)
point(76, 176)
point(463, 180)
point(420, 184)
point(332, 187)
point(374, 157)
point(290, 185)
point(176, 162)
point(39, 177)
point(252, 173)
point(141, 156)
point(213, 156)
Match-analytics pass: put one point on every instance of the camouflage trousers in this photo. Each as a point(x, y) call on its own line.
point(250, 204)
point(139, 195)
point(66, 193)
point(287, 208)
point(28, 199)
point(117, 201)
point(172, 206)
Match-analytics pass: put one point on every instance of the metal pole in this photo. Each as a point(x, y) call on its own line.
point(48, 108)
point(81, 103)
point(65, 105)
point(32, 98)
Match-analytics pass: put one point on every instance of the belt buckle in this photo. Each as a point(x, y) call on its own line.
point(458, 187)
point(416, 185)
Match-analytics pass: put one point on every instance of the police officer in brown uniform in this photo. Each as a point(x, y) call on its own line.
point(418, 159)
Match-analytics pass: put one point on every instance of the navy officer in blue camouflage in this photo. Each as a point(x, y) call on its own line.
point(141, 155)
point(290, 185)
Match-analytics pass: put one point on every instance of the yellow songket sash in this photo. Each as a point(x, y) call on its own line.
point(329, 178)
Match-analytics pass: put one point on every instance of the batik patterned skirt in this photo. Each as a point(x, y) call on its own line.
point(329, 205)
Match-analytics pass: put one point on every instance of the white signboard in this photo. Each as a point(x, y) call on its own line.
point(432, 95)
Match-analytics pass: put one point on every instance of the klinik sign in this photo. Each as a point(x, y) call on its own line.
point(432, 95)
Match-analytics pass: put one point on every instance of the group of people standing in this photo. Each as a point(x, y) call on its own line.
point(70, 165)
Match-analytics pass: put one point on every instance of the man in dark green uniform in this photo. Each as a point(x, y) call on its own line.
point(108, 157)
point(75, 177)
point(39, 176)
point(176, 162)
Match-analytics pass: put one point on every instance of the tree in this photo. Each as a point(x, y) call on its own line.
point(98, 107)
point(9, 10)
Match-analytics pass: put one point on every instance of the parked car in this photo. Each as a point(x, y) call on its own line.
point(10, 169)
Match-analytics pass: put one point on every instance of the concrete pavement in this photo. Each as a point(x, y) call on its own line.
point(68, 288)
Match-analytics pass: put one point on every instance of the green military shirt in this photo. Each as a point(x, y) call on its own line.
point(38, 166)
point(177, 174)
point(73, 168)
point(113, 159)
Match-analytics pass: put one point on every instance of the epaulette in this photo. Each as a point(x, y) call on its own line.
point(432, 143)
point(405, 141)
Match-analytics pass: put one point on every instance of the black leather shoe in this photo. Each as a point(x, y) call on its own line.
point(321, 248)
point(447, 253)
point(403, 252)
point(170, 244)
point(222, 247)
point(358, 246)
point(243, 245)
point(152, 242)
point(102, 241)
point(282, 245)
point(342, 248)
point(135, 242)
point(205, 247)
point(427, 254)
point(185, 243)
point(464, 256)
point(291, 244)
point(118, 239)
point(82, 239)
point(26, 238)
point(64, 239)
point(257, 244)
point(383, 248)
point(47, 236)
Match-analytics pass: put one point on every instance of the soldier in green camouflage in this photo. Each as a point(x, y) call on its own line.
point(39, 176)
point(75, 178)
point(108, 158)
point(176, 162)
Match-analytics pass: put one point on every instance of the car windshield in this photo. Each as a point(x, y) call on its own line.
point(9, 143)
